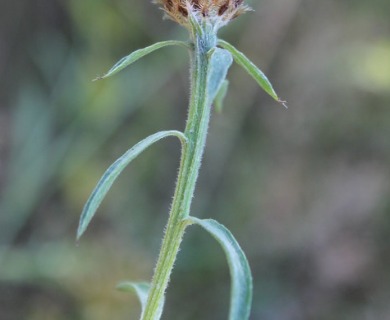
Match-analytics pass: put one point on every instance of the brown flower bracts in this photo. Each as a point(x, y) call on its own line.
point(215, 12)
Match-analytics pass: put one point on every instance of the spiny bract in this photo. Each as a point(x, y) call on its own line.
point(215, 12)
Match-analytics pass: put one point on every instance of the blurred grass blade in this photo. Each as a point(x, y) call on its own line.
point(220, 61)
point(113, 172)
point(138, 54)
point(141, 289)
point(220, 97)
point(241, 289)
point(252, 70)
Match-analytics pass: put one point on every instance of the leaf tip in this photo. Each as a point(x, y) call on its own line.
point(98, 78)
point(283, 103)
point(80, 232)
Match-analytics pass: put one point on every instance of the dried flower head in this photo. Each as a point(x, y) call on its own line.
point(215, 12)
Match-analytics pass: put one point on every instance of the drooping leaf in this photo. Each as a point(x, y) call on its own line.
point(141, 289)
point(252, 70)
point(220, 97)
point(220, 61)
point(138, 54)
point(241, 287)
point(113, 172)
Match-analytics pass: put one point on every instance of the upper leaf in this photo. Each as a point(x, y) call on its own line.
point(138, 54)
point(220, 97)
point(113, 172)
point(241, 291)
point(220, 61)
point(252, 70)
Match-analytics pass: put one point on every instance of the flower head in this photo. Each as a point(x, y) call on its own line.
point(215, 12)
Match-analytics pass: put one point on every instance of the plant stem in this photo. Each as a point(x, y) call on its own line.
point(195, 132)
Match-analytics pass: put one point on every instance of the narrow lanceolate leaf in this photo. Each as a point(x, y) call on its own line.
point(113, 172)
point(220, 97)
point(220, 61)
point(141, 289)
point(241, 288)
point(138, 54)
point(252, 70)
point(194, 23)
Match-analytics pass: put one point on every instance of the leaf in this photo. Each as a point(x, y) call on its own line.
point(113, 172)
point(241, 289)
point(220, 97)
point(220, 61)
point(196, 27)
point(138, 54)
point(141, 289)
point(252, 70)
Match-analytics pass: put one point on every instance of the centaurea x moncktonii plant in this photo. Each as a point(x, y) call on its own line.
point(210, 60)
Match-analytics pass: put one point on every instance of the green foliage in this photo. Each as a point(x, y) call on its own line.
point(210, 66)
point(220, 97)
point(268, 173)
point(220, 62)
point(241, 291)
point(141, 289)
point(113, 172)
point(252, 70)
point(138, 54)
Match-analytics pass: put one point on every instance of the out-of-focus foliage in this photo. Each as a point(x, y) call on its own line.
point(305, 191)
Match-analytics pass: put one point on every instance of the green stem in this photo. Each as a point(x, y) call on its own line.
point(195, 132)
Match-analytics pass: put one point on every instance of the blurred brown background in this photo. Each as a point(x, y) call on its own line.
point(305, 191)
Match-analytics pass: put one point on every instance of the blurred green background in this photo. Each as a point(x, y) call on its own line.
point(305, 191)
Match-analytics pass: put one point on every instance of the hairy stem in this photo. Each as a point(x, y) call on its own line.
point(195, 132)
